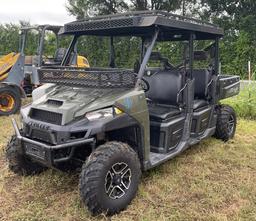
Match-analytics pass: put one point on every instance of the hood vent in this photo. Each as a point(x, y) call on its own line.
point(55, 103)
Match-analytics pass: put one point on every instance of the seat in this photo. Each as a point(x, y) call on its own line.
point(202, 79)
point(199, 103)
point(165, 86)
point(59, 55)
point(160, 112)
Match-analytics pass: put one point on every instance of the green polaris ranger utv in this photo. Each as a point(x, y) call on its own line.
point(114, 122)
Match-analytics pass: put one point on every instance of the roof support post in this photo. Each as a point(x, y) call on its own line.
point(191, 55)
point(146, 57)
point(70, 50)
point(112, 53)
point(217, 56)
point(22, 45)
point(41, 45)
point(57, 40)
point(142, 49)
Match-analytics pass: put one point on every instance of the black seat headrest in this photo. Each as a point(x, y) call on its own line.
point(200, 55)
point(202, 79)
point(59, 54)
point(156, 56)
point(164, 87)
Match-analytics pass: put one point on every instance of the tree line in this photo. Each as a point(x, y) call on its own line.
point(238, 18)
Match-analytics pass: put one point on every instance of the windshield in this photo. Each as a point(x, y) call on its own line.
point(102, 52)
point(168, 54)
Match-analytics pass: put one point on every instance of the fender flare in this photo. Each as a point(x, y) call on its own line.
point(16, 87)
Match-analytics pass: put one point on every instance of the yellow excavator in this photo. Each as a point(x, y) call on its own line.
point(18, 71)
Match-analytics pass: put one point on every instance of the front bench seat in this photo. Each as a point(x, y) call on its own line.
point(202, 79)
point(160, 112)
point(199, 103)
point(164, 88)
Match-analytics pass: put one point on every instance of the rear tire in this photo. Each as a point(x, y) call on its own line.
point(110, 177)
point(19, 163)
point(226, 123)
point(10, 100)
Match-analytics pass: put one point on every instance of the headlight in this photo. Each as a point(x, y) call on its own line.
point(103, 113)
point(24, 111)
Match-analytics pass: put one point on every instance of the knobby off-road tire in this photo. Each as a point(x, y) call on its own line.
point(19, 163)
point(226, 123)
point(10, 100)
point(110, 177)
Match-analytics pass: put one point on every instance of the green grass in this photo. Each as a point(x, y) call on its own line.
point(209, 181)
point(244, 103)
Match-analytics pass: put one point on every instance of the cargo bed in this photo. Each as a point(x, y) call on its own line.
point(228, 86)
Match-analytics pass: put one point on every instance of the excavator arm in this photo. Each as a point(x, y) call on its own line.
point(6, 63)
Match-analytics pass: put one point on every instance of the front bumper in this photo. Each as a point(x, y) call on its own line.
point(44, 153)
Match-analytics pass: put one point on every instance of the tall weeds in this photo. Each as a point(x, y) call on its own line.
point(244, 103)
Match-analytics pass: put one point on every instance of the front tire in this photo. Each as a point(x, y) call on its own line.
point(19, 163)
point(10, 100)
point(226, 123)
point(110, 177)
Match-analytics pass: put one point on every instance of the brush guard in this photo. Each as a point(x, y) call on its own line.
point(88, 77)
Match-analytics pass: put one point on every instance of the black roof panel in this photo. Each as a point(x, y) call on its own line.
point(143, 23)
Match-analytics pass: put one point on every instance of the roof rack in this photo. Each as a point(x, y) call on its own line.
point(165, 14)
point(143, 23)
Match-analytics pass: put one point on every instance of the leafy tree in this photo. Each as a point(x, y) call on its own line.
point(238, 19)
point(85, 8)
point(9, 38)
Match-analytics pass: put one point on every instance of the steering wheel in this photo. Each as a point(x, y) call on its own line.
point(45, 59)
point(143, 83)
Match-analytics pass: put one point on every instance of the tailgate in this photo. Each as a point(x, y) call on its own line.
point(229, 86)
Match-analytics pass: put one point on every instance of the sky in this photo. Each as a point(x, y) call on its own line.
point(34, 11)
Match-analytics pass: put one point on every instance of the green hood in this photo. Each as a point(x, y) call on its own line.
point(76, 102)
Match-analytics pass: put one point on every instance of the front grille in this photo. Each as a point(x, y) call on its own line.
point(97, 25)
point(41, 135)
point(46, 116)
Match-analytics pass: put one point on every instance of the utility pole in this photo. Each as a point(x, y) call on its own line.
point(183, 7)
point(249, 71)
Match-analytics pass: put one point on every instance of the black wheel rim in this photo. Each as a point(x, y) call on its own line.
point(231, 125)
point(118, 180)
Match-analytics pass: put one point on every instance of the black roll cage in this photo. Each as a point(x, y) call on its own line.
point(146, 52)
